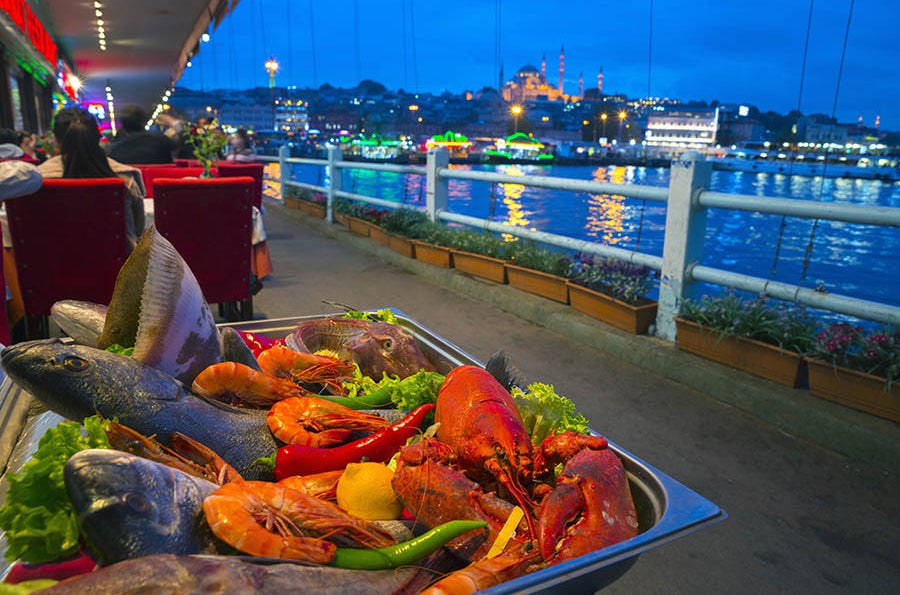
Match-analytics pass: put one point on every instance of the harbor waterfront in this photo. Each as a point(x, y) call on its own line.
point(850, 259)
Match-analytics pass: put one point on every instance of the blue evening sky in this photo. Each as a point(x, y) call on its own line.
point(749, 51)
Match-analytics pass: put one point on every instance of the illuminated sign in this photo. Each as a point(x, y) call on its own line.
point(98, 109)
point(31, 26)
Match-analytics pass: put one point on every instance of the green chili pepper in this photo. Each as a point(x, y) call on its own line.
point(402, 554)
point(380, 397)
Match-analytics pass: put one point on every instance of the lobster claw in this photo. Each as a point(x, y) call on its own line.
point(590, 508)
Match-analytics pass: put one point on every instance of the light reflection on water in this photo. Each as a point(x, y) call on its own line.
point(850, 259)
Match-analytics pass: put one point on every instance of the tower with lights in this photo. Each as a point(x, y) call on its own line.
point(562, 67)
point(272, 68)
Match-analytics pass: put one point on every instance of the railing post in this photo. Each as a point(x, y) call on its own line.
point(283, 153)
point(333, 172)
point(436, 188)
point(685, 233)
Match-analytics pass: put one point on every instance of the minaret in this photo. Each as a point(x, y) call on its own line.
point(600, 82)
point(500, 86)
point(544, 67)
point(581, 84)
point(562, 66)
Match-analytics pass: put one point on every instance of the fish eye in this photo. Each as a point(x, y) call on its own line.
point(73, 363)
point(387, 344)
point(137, 502)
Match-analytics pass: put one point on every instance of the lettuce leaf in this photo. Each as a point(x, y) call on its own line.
point(383, 315)
point(38, 517)
point(407, 394)
point(544, 412)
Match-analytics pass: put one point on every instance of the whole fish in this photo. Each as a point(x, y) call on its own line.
point(83, 321)
point(377, 347)
point(158, 308)
point(165, 573)
point(76, 381)
point(129, 506)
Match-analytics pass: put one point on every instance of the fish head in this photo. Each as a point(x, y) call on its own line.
point(129, 507)
point(76, 381)
point(380, 347)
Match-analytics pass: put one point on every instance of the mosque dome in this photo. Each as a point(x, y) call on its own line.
point(527, 71)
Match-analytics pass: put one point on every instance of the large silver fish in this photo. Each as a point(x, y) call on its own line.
point(83, 321)
point(158, 308)
point(165, 573)
point(76, 381)
point(129, 507)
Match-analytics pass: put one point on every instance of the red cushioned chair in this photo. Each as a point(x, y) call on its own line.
point(69, 242)
point(228, 169)
point(151, 172)
point(210, 223)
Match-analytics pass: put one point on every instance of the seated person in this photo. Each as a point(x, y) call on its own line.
point(134, 144)
point(81, 156)
point(10, 149)
point(241, 148)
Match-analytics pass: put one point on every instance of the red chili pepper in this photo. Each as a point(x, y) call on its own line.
point(79, 564)
point(297, 459)
point(258, 343)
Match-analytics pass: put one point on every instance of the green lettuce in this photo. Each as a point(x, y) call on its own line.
point(38, 517)
point(383, 315)
point(407, 394)
point(544, 412)
point(120, 349)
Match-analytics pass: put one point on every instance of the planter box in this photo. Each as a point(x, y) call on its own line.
point(359, 226)
point(542, 284)
point(378, 234)
point(342, 219)
point(857, 390)
point(633, 319)
point(477, 265)
point(760, 359)
point(433, 255)
point(401, 244)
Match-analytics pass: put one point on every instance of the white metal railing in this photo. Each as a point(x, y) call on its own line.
point(687, 199)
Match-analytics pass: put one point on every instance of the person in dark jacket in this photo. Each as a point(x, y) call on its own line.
point(134, 145)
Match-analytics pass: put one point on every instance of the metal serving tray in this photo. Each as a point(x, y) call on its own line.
point(666, 509)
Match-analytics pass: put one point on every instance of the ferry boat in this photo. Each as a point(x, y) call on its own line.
point(517, 148)
point(827, 164)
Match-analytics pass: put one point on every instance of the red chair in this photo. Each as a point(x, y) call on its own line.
point(151, 172)
point(229, 169)
point(210, 223)
point(186, 163)
point(69, 242)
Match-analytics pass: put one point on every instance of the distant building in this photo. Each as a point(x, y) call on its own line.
point(291, 116)
point(531, 84)
point(242, 115)
point(810, 131)
point(673, 131)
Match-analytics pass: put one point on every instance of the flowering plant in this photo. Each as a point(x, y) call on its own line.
point(621, 280)
point(787, 326)
point(208, 142)
point(875, 352)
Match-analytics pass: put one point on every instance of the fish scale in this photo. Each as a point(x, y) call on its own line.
point(77, 381)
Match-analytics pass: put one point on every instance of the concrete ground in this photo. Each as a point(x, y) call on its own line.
point(810, 488)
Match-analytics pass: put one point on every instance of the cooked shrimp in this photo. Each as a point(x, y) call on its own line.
point(284, 362)
point(485, 573)
point(318, 485)
point(261, 518)
point(316, 422)
point(186, 454)
point(237, 384)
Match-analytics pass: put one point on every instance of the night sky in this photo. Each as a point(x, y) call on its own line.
point(749, 51)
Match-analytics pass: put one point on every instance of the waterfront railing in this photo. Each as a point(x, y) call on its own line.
point(687, 200)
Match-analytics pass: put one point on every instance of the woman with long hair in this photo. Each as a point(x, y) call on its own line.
point(81, 156)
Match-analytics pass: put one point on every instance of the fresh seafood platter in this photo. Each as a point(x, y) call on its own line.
point(353, 452)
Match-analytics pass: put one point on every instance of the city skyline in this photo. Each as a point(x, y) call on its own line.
point(733, 53)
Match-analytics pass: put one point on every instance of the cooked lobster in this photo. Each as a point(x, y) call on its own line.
point(482, 446)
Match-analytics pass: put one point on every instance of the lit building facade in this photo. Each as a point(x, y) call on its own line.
point(531, 84)
point(677, 130)
point(291, 116)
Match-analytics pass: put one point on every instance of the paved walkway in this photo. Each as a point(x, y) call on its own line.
point(810, 487)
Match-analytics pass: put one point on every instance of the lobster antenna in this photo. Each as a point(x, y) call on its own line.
point(339, 305)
